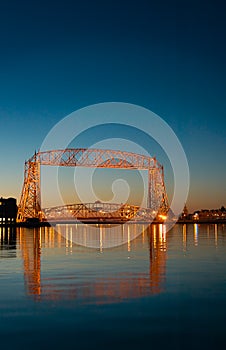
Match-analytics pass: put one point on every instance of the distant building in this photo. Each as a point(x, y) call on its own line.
point(8, 211)
point(184, 214)
point(210, 214)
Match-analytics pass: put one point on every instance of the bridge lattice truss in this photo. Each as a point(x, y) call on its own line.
point(98, 211)
point(30, 201)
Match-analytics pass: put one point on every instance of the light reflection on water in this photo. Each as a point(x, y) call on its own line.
point(161, 283)
point(50, 259)
point(104, 276)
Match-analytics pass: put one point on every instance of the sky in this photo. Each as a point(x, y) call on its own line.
point(167, 56)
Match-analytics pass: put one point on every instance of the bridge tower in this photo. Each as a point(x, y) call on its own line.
point(157, 196)
point(30, 201)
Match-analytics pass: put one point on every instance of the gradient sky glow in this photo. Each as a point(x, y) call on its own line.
point(167, 56)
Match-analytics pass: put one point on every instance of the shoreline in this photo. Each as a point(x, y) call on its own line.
point(109, 222)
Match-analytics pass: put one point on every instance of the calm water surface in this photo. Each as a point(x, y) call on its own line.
point(164, 289)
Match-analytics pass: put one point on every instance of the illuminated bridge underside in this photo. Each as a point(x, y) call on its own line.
point(98, 211)
point(30, 201)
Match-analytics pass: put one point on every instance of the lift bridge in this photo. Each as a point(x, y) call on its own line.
point(30, 201)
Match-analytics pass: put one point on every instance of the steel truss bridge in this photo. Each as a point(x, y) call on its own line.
point(99, 212)
point(30, 201)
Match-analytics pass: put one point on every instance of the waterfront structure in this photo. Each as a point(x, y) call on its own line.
point(8, 211)
point(30, 201)
point(208, 215)
point(101, 212)
point(184, 214)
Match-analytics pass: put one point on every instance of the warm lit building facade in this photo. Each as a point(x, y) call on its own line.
point(213, 214)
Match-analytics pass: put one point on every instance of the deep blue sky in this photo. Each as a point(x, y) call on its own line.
point(168, 56)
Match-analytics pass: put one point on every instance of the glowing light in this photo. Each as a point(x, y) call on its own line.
point(196, 216)
point(215, 234)
point(184, 237)
point(163, 217)
point(154, 236)
point(101, 240)
point(196, 231)
point(128, 243)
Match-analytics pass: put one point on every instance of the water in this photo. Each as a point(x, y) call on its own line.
point(164, 289)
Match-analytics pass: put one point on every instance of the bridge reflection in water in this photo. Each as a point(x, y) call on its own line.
point(125, 284)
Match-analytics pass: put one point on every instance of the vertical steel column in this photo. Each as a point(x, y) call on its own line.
point(37, 190)
point(151, 202)
point(30, 202)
